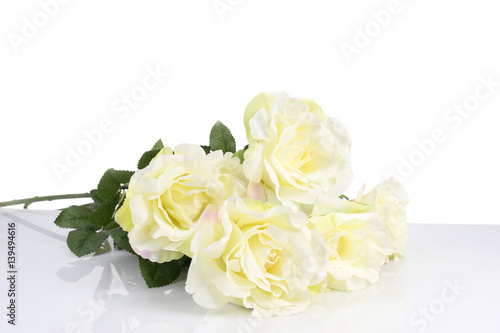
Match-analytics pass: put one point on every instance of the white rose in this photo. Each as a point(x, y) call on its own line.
point(295, 150)
point(389, 200)
point(256, 255)
point(165, 200)
point(357, 242)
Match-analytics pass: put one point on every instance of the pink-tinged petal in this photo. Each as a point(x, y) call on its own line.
point(256, 191)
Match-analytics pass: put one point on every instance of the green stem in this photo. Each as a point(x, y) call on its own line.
point(29, 201)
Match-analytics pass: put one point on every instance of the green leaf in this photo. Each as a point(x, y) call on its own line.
point(95, 196)
point(111, 225)
point(159, 275)
point(104, 213)
point(240, 154)
point(111, 181)
point(83, 242)
point(184, 262)
point(120, 237)
point(146, 158)
point(222, 139)
point(206, 149)
point(74, 217)
point(158, 145)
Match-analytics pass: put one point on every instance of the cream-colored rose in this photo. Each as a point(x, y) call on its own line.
point(389, 199)
point(357, 242)
point(256, 255)
point(295, 150)
point(165, 200)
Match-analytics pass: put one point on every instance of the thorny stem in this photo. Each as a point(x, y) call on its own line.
point(29, 201)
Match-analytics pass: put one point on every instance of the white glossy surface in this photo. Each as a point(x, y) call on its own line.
point(61, 293)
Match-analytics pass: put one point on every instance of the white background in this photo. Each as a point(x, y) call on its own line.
point(64, 79)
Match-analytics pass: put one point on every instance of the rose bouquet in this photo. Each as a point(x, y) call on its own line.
point(265, 227)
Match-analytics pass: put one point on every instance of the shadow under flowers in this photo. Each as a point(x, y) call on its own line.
point(374, 309)
point(121, 301)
